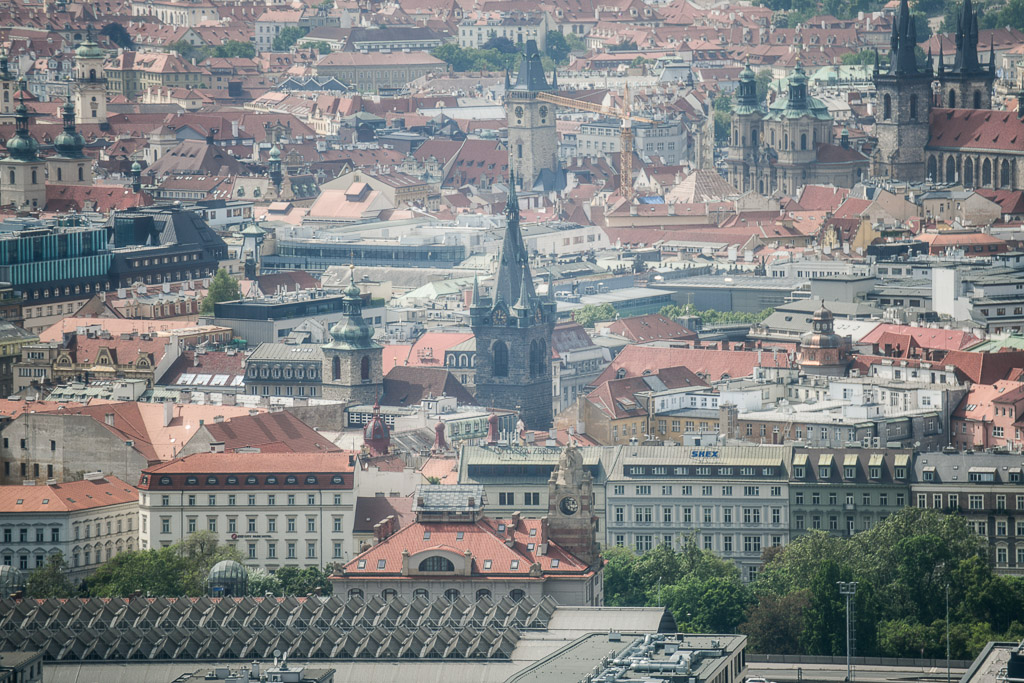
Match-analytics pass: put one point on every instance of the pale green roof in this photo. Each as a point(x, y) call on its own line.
point(1015, 342)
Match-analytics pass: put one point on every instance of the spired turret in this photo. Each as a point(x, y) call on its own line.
point(967, 84)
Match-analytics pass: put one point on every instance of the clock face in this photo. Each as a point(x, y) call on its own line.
point(519, 112)
point(499, 316)
point(569, 505)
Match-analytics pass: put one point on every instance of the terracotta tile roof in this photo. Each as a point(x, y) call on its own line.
point(446, 469)
point(569, 336)
point(652, 327)
point(852, 208)
point(1009, 201)
point(924, 337)
point(979, 405)
point(372, 509)
point(207, 363)
point(270, 432)
point(255, 463)
point(291, 281)
point(408, 385)
point(975, 129)
point(491, 557)
point(710, 364)
point(69, 497)
point(822, 197)
point(985, 368)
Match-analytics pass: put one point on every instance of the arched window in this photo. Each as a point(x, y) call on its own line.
point(785, 141)
point(887, 107)
point(753, 137)
point(773, 138)
point(483, 593)
point(1004, 174)
point(533, 357)
point(12, 176)
point(977, 99)
point(986, 172)
point(421, 593)
point(913, 107)
point(364, 369)
point(388, 594)
point(952, 99)
point(500, 355)
point(933, 169)
point(451, 595)
point(950, 170)
point(60, 175)
point(35, 180)
point(437, 563)
point(336, 368)
point(516, 594)
point(803, 142)
point(355, 593)
point(81, 173)
point(968, 172)
point(519, 150)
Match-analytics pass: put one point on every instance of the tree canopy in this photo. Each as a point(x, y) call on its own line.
point(712, 317)
point(287, 37)
point(118, 35)
point(594, 313)
point(223, 287)
point(50, 580)
point(235, 48)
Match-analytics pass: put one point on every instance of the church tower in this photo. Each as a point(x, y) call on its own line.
point(968, 84)
point(353, 361)
point(904, 96)
point(22, 182)
point(70, 166)
point(570, 521)
point(513, 333)
point(822, 351)
point(90, 91)
point(744, 152)
point(8, 86)
point(532, 140)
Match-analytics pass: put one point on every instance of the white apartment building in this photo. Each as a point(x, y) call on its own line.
point(735, 499)
point(87, 521)
point(279, 509)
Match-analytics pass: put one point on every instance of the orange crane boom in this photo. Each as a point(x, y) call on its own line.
point(625, 115)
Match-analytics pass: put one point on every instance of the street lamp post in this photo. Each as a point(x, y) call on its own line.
point(849, 589)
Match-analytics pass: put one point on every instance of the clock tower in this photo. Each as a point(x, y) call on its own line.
point(571, 522)
point(532, 139)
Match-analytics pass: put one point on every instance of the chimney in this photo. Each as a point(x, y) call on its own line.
point(516, 517)
point(217, 447)
point(168, 413)
point(218, 418)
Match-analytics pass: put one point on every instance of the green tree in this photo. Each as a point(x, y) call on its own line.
point(223, 287)
point(619, 588)
point(709, 604)
point(501, 44)
point(774, 625)
point(575, 43)
point(672, 311)
point(763, 81)
point(235, 48)
point(261, 582)
point(185, 49)
point(287, 37)
point(295, 581)
point(50, 580)
point(469, 59)
point(322, 47)
point(558, 47)
point(626, 46)
point(594, 313)
point(118, 35)
point(864, 57)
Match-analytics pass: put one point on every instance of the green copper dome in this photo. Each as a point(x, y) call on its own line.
point(89, 50)
point(275, 153)
point(136, 167)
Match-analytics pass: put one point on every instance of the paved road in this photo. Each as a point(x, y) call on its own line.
point(830, 673)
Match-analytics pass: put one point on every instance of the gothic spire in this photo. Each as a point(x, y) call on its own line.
point(476, 292)
point(966, 39)
point(903, 60)
point(514, 262)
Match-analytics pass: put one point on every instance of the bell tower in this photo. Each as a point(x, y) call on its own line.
point(571, 522)
point(353, 361)
point(967, 84)
point(532, 140)
point(90, 91)
point(22, 182)
point(904, 96)
point(70, 166)
point(744, 152)
point(513, 333)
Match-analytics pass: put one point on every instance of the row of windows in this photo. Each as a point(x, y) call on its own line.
point(232, 499)
point(250, 480)
point(975, 501)
point(291, 525)
point(646, 514)
point(748, 544)
point(451, 595)
point(687, 490)
point(850, 499)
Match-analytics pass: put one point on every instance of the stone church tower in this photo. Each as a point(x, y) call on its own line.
point(904, 96)
point(22, 177)
point(967, 84)
point(70, 165)
point(90, 91)
point(513, 333)
point(570, 521)
point(353, 361)
point(822, 351)
point(532, 140)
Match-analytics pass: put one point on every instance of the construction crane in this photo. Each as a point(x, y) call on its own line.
point(624, 114)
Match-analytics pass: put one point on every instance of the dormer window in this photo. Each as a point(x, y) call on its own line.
point(824, 472)
point(436, 563)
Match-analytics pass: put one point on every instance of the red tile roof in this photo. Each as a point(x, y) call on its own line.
point(652, 327)
point(68, 497)
point(985, 368)
point(975, 129)
point(254, 463)
point(270, 432)
point(822, 197)
point(372, 509)
point(481, 539)
point(924, 337)
point(406, 385)
point(711, 364)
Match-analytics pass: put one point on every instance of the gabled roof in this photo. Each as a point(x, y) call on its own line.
point(980, 129)
point(372, 509)
point(270, 432)
point(67, 497)
point(408, 385)
point(711, 364)
point(924, 337)
point(652, 327)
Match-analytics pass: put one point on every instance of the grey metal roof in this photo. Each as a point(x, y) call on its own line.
point(736, 456)
point(287, 352)
point(448, 498)
point(956, 468)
